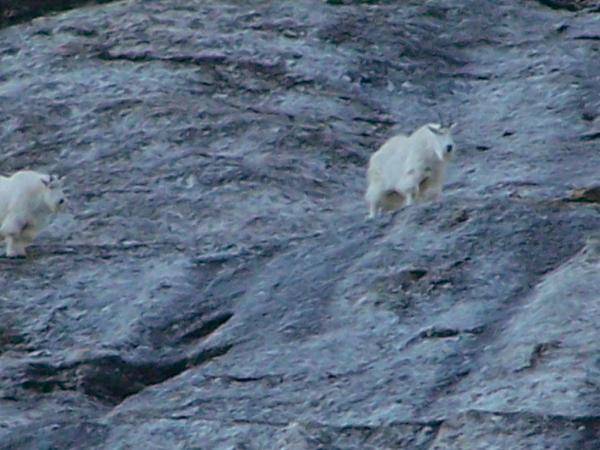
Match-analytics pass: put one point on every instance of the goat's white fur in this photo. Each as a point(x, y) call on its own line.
point(409, 169)
point(28, 199)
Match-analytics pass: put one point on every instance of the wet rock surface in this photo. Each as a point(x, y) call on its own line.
point(214, 282)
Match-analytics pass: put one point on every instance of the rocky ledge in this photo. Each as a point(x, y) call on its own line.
point(214, 283)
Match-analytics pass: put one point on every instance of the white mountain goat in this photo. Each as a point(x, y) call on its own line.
point(27, 201)
point(409, 169)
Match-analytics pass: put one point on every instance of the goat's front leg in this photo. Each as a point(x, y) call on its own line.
point(15, 247)
point(409, 187)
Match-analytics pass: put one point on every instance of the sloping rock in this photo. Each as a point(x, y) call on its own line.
point(214, 283)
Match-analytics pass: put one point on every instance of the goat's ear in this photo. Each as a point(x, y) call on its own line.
point(46, 182)
point(441, 119)
point(434, 129)
point(55, 180)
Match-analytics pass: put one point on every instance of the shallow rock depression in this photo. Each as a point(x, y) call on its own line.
point(214, 282)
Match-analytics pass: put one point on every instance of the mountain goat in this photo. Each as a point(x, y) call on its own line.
point(408, 169)
point(27, 201)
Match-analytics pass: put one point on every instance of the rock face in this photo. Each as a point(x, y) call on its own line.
point(214, 283)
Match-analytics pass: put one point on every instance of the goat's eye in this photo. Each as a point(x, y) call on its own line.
point(61, 201)
point(448, 148)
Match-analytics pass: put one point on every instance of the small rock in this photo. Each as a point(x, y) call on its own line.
point(460, 216)
point(591, 135)
point(593, 244)
point(561, 27)
point(586, 195)
point(588, 116)
point(290, 33)
point(190, 181)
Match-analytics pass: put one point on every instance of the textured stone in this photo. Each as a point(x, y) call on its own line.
point(214, 283)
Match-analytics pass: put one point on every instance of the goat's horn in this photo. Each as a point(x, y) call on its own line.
point(441, 119)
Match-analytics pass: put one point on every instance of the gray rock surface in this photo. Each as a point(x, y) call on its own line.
point(214, 283)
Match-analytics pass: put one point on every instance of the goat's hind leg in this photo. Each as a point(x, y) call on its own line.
point(373, 199)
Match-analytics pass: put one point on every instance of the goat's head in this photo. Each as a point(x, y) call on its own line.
point(54, 196)
point(445, 147)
